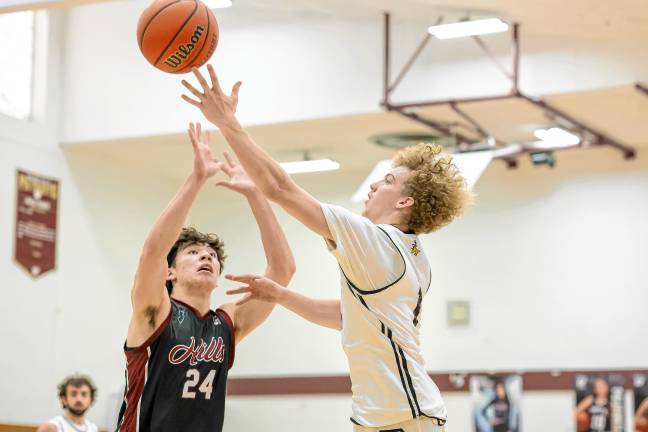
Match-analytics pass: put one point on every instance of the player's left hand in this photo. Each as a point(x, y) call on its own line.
point(238, 178)
point(257, 288)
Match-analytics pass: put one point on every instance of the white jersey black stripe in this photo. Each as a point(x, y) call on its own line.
point(383, 273)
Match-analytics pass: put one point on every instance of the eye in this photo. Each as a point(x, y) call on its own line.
point(192, 252)
point(213, 254)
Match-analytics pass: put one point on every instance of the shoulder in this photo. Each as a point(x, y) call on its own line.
point(50, 426)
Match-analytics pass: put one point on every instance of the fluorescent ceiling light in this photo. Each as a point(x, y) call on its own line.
point(557, 136)
point(218, 4)
point(468, 28)
point(310, 166)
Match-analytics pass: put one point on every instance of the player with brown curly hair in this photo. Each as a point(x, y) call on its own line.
point(384, 271)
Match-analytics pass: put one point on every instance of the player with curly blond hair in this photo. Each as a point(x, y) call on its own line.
point(384, 271)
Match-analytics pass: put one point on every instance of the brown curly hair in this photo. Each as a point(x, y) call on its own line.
point(436, 185)
point(189, 236)
point(76, 380)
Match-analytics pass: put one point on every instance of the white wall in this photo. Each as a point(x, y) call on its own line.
point(550, 260)
point(304, 68)
point(28, 310)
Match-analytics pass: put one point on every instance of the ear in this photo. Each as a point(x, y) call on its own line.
point(405, 202)
point(171, 274)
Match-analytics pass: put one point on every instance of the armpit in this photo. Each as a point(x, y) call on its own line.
point(151, 314)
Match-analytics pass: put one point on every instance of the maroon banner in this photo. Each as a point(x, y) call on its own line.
point(36, 209)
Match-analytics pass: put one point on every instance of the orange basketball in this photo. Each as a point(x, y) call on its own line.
point(582, 422)
point(176, 35)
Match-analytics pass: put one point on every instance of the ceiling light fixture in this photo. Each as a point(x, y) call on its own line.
point(468, 28)
point(218, 4)
point(307, 166)
point(556, 136)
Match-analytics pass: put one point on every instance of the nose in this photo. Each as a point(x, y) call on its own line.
point(206, 255)
point(374, 186)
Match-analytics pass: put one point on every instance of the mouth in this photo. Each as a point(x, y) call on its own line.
point(206, 268)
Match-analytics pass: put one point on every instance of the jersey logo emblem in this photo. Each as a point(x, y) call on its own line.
point(216, 321)
point(197, 352)
point(181, 315)
point(414, 249)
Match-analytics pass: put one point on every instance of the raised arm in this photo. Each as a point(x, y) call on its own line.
point(270, 178)
point(279, 257)
point(323, 312)
point(149, 298)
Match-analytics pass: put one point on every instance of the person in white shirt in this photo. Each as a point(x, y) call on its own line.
point(76, 393)
point(384, 271)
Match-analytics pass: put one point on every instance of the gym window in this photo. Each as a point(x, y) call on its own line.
point(16, 74)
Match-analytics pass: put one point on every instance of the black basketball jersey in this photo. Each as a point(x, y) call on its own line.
point(175, 381)
point(599, 413)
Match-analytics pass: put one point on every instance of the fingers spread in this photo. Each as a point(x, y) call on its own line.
point(193, 90)
point(230, 160)
point(191, 101)
point(201, 80)
point(214, 79)
point(248, 278)
point(238, 291)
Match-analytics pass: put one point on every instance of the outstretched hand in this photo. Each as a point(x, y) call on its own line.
point(257, 288)
point(217, 107)
point(205, 166)
point(238, 178)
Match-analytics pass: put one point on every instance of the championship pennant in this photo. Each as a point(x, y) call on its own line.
point(36, 216)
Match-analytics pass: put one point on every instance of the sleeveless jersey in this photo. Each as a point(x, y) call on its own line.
point(65, 425)
point(384, 276)
point(599, 413)
point(175, 381)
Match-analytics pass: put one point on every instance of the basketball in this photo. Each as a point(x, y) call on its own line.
point(176, 35)
point(582, 422)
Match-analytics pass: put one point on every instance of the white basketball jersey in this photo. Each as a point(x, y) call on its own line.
point(385, 275)
point(65, 425)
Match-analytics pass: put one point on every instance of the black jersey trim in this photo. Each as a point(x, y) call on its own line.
point(439, 421)
point(151, 339)
point(230, 324)
point(354, 422)
point(409, 380)
point(417, 309)
point(400, 372)
point(369, 292)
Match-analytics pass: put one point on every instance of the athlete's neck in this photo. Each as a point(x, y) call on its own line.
point(199, 301)
point(78, 420)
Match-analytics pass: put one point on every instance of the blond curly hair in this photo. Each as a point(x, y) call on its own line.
point(436, 185)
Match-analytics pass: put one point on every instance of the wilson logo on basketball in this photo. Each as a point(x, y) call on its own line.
point(214, 352)
point(184, 50)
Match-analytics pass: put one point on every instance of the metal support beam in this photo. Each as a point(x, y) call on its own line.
point(601, 139)
point(516, 59)
point(470, 120)
point(509, 152)
point(642, 88)
point(438, 126)
point(409, 63)
point(387, 61)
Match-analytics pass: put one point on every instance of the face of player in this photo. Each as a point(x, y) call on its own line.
point(77, 400)
point(500, 391)
point(197, 266)
point(387, 195)
point(601, 389)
